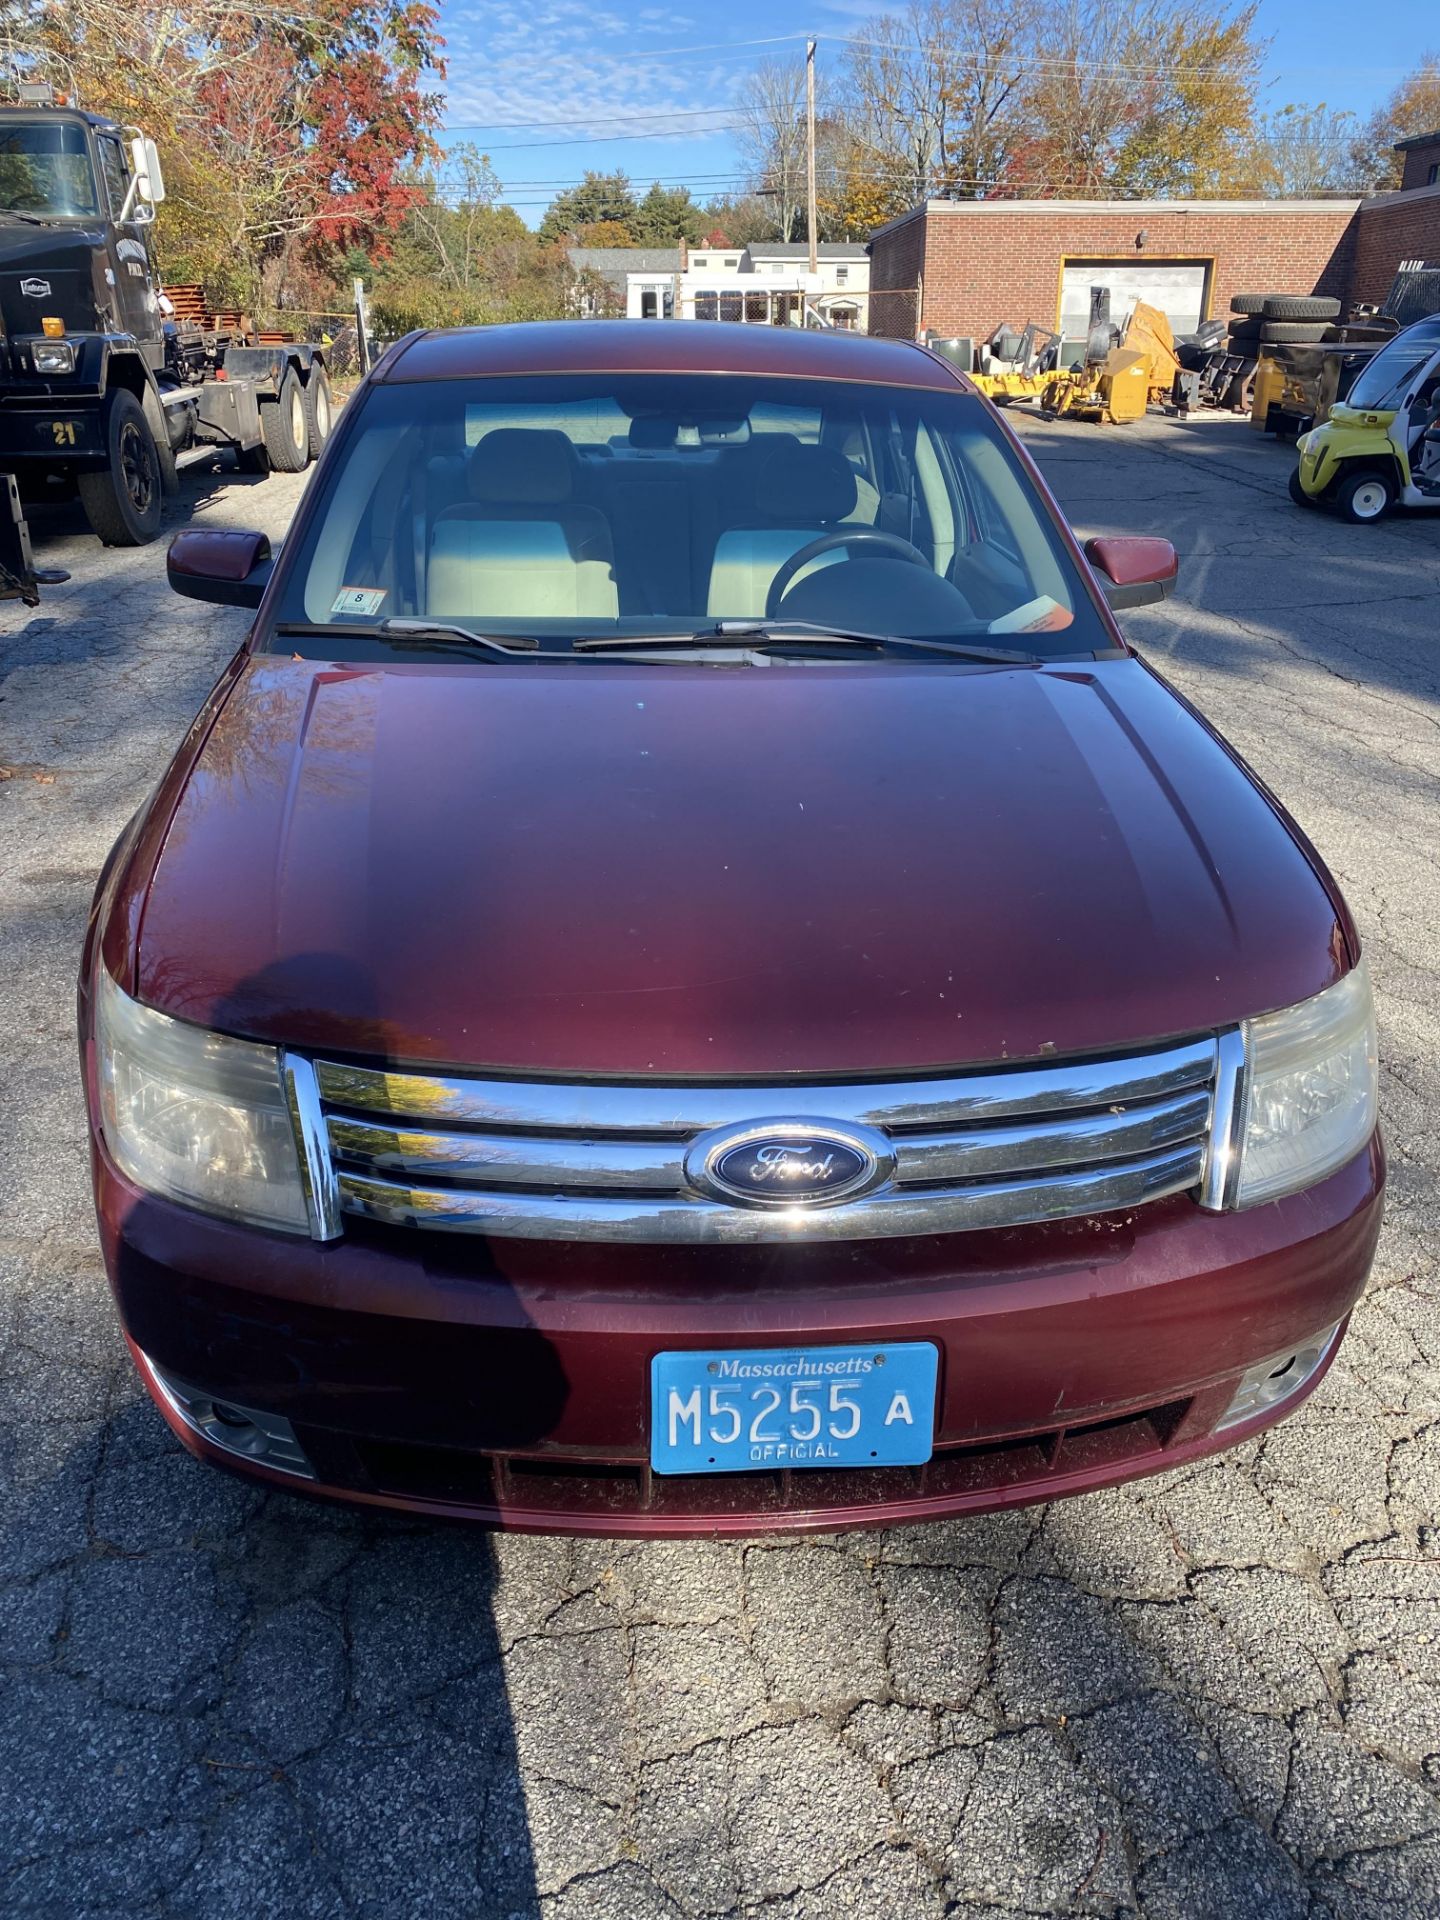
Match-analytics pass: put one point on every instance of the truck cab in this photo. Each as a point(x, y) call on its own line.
point(100, 392)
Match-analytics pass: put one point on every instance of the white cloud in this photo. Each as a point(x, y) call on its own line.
point(519, 71)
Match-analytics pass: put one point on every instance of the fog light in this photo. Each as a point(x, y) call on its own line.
point(1280, 1378)
point(250, 1432)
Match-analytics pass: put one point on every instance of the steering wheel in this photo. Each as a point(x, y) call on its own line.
point(889, 543)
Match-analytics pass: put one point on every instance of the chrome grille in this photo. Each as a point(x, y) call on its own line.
point(596, 1160)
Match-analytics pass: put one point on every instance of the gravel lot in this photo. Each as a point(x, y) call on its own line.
point(1215, 1696)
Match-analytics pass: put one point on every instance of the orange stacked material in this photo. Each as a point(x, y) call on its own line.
point(189, 304)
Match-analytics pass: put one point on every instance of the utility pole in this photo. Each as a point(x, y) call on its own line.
point(810, 148)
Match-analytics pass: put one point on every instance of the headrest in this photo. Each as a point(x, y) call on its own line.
point(653, 430)
point(805, 484)
point(522, 467)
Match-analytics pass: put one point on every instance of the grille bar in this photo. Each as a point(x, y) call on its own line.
point(659, 1109)
point(889, 1213)
point(524, 1161)
point(601, 1161)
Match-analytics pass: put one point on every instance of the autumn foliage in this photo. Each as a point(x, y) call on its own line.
point(288, 132)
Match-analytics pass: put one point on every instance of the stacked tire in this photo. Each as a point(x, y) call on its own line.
point(1282, 319)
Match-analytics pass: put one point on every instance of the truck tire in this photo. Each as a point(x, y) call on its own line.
point(318, 409)
point(1250, 303)
point(1365, 497)
point(122, 502)
point(1291, 306)
point(287, 437)
point(1293, 333)
point(1247, 328)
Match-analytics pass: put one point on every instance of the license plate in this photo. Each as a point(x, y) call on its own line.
point(749, 1409)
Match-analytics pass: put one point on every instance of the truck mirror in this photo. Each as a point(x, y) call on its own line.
point(1134, 570)
point(148, 186)
point(232, 569)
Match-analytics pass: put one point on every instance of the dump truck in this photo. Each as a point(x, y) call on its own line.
point(104, 389)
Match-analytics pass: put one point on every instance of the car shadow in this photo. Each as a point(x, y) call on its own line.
point(240, 1700)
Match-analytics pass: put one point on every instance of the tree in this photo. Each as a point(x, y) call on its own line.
point(600, 196)
point(288, 131)
point(450, 238)
point(772, 139)
point(1193, 135)
point(605, 233)
point(856, 192)
point(1414, 107)
point(666, 216)
point(936, 95)
point(1306, 150)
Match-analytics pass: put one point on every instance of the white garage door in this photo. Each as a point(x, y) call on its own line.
point(1177, 289)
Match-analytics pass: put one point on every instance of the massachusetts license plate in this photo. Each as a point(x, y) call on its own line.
point(767, 1407)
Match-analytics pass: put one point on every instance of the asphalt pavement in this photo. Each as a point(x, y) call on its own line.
point(1211, 1696)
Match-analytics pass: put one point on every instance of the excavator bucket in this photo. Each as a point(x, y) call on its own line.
point(1148, 333)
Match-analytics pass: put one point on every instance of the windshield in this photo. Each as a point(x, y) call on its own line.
point(1381, 385)
point(45, 169)
point(625, 505)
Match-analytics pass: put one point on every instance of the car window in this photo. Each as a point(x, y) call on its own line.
point(560, 506)
point(1381, 385)
point(45, 169)
point(112, 166)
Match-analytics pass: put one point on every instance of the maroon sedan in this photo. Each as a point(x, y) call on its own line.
point(687, 980)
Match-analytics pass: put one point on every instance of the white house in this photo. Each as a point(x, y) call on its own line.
point(766, 283)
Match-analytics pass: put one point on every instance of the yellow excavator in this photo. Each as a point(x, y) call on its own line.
point(1121, 374)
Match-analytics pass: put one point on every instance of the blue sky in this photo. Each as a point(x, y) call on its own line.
point(551, 88)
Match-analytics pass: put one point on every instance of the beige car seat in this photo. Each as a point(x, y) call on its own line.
point(799, 494)
point(521, 547)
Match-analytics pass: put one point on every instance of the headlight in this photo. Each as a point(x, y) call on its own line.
point(1311, 1090)
point(53, 356)
point(196, 1116)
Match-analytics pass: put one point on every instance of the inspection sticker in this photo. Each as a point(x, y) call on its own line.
point(364, 600)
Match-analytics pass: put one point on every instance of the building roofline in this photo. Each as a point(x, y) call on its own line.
point(1417, 140)
point(1400, 197)
point(978, 208)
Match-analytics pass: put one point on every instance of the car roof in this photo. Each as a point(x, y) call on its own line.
point(664, 346)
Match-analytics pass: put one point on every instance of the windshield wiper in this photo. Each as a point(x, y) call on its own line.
point(404, 632)
point(765, 633)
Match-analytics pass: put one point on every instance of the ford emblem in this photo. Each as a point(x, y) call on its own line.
point(789, 1163)
point(36, 289)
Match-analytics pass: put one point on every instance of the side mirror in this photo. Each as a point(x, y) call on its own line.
point(1134, 570)
point(212, 563)
point(154, 179)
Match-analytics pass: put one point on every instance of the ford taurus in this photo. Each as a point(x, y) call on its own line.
point(687, 979)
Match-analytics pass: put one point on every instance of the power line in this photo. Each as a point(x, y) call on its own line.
point(571, 119)
point(612, 139)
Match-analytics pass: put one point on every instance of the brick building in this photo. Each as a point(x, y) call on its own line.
point(1422, 161)
point(965, 267)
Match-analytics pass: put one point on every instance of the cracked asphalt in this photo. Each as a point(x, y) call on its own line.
point(1211, 1696)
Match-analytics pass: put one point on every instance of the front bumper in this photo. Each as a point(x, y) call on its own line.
point(507, 1381)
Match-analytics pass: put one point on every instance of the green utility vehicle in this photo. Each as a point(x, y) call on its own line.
point(1381, 447)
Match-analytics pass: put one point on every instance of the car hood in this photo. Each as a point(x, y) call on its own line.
point(677, 869)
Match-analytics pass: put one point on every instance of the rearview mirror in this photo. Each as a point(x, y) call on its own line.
point(1134, 570)
point(231, 569)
